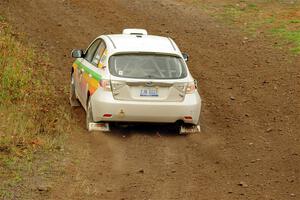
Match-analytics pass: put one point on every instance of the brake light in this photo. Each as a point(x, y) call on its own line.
point(116, 86)
point(105, 84)
point(191, 87)
point(180, 87)
point(186, 88)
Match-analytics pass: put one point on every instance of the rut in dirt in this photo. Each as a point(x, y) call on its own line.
point(249, 118)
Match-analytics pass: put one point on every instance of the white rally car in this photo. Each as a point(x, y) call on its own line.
point(134, 77)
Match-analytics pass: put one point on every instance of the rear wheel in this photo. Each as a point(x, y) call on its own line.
point(73, 99)
point(89, 115)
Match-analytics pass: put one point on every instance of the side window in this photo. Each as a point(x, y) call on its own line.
point(103, 58)
point(99, 54)
point(91, 51)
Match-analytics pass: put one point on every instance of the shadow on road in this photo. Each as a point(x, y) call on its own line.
point(148, 129)
point(130, 129)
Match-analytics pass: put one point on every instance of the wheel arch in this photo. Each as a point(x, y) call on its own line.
point(72, 70)
point(87, 99)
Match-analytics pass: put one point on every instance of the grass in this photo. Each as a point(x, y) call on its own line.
point(289, 35)
point(32, 123)
point(279, 19)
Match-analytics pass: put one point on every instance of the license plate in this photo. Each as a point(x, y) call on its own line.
point(149, 92)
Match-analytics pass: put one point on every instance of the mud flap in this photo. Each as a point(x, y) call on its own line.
point(187, 129)
point(104, 127)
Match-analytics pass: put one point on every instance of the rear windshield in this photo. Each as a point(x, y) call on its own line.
point(144, 66)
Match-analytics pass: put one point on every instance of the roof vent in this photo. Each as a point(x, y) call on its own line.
point(135, 32)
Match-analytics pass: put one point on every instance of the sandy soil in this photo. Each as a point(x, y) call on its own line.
point(249, 147)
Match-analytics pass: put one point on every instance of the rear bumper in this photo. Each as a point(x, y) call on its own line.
point(145, 111)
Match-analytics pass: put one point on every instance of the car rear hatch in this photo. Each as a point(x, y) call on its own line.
point(148, 77)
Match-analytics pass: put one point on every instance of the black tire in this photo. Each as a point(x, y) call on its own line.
point(89, 115)
point(73, 99)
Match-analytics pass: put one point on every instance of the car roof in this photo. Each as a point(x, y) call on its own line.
point(141, 43)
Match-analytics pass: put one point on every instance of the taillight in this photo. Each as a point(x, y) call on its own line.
point(191, 87)
point(186, 88)
point(105, 84)
point(180, 87)
point(116, 86)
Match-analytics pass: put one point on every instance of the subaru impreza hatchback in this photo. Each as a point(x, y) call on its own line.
point(134, 77)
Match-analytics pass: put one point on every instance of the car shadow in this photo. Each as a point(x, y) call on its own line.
point(147, 129)
point(126, 130)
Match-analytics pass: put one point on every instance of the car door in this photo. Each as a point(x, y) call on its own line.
point(92, 74)
point(83, 72)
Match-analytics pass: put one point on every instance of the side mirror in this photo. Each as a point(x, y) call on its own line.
point(185, 57)
point(77, 53)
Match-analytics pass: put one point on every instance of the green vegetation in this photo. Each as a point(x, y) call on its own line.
point(32, 123)
point(289, 35)
point(272, 18)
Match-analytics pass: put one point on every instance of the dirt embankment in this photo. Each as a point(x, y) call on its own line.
point(249, 147)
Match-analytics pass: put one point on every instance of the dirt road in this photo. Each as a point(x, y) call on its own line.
point(249, 147)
